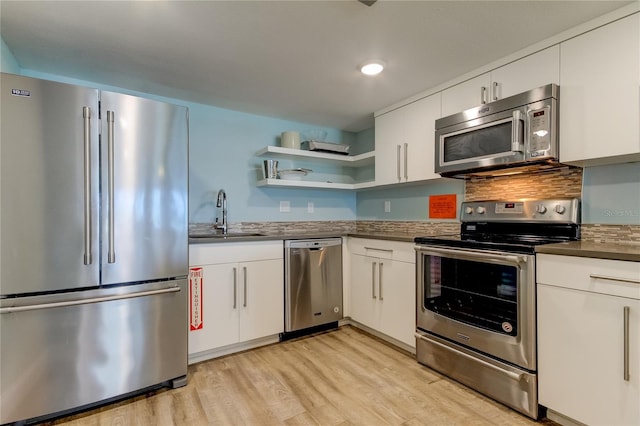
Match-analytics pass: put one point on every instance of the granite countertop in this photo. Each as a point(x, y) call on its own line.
point(629, 252)
point(252, 237)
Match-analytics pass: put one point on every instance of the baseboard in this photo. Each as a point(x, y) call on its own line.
point(562, 419)
point(256, 343)
point(379, 335)
point(231, 349)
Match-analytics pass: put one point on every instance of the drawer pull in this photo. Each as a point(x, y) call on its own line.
point(378, 249)
point(609, 278)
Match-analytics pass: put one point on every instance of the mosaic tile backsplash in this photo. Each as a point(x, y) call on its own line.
point(560, 183)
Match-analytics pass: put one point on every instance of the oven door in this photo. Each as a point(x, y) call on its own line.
point(484, 300)
point(496, 139)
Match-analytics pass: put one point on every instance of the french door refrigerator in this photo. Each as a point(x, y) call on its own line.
point(93, 246)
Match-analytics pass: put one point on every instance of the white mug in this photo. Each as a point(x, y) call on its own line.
point(290, 140)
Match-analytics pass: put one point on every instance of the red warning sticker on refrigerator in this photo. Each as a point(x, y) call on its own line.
point(195, 299)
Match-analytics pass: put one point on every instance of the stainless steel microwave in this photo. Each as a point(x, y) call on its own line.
point(521, 130)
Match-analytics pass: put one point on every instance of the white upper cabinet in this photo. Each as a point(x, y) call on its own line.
point(466, 95)
point(405, 142)
point(532, 71)
point(600, 96)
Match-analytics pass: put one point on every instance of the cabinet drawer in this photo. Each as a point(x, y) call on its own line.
point(383, 249)
point(216, 253)
point(614, 277)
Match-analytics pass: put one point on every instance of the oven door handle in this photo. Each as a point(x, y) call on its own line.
point(477, 254)
point(514, 376)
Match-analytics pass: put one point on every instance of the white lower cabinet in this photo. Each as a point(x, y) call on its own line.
point(588, 359)
point(383, 287)
point(242, 293)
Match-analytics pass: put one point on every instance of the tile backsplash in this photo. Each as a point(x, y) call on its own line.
point(560, 183)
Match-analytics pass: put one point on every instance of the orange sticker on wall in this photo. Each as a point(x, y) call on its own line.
point(442, 206)
point(195, 299)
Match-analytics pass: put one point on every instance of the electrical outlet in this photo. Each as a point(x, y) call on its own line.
point(387, 206)
point(285, 206)
point(310, 207)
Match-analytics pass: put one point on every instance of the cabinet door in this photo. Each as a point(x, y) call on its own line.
point(389, 139)
point(220, 313)
point(397, 299)
point(466, 95)
point(419, 152)
point(580, 356)
point(364, 292)
point(261, 298)
point(600, 101)
point(532, 71)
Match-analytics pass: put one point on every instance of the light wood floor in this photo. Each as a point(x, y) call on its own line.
point(342, 377)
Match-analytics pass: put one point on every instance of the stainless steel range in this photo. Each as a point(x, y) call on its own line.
point(476, 295)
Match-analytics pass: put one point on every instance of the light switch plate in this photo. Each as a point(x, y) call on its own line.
point(285, 206)
point(310, 207)
point(387, 206)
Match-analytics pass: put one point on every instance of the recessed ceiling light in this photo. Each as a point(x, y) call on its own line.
point(372, 67)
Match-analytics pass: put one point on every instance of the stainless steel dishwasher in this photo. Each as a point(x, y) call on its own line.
point(313, 284)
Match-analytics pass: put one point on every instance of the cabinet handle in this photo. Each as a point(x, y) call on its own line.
point(235, 288)
point(378, 249)
point(373, 280)
point(483, 95)
point(609, 278)
point(625, 321)
point(496, 86)
point(244, 273)
point(380, 281)
point(398, 162)
point(406, 150)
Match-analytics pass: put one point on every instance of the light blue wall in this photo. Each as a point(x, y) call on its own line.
point(611, 194)
point(223, 144)
point(8, 62)
point(407, 202)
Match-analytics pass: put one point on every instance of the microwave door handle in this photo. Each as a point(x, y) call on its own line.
point(517, 132)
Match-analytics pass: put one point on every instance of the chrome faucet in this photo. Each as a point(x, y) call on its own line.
point(222, 202)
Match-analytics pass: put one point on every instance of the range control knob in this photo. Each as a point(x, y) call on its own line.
point(480, 210)
point(560, 209)
point(540, 208)
point(468, 210)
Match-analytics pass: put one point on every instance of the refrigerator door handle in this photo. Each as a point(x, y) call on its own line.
point(110, 159)
point(14, 309)
point(86, 115)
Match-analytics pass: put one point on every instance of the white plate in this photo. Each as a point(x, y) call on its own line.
point(293, 174)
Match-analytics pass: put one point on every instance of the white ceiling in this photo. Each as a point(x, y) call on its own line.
point(294, 60)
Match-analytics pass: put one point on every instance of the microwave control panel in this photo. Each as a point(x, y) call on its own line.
point(539, 131)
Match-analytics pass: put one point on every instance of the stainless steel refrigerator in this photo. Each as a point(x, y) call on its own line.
point(93, 246)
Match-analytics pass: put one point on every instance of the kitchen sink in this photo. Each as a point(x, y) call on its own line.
point(228, 235)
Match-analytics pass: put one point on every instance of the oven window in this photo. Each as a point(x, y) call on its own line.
point(486, 141)
point(476, 293)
